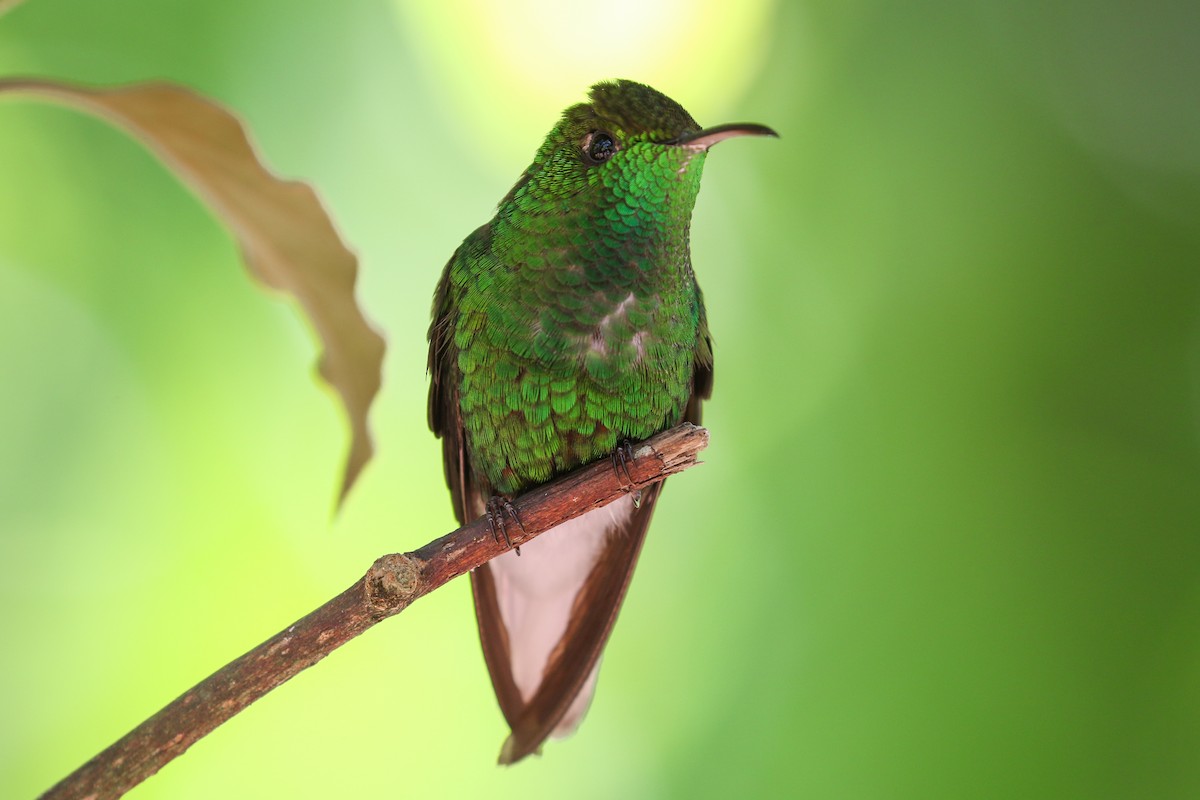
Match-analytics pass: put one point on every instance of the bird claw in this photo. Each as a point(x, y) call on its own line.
point(497, 507)
point(621, 456)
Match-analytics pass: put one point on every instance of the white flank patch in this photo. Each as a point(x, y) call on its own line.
point(617, 312)
point(596, 342)
point(639, 343)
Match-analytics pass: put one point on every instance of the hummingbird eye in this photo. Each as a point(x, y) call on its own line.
point(599, 146)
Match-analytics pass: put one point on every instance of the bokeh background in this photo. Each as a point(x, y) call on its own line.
point(947, 540)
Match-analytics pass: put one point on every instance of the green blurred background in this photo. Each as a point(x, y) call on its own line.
point(947, 541)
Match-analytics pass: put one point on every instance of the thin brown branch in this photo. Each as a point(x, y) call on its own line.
point(388, 587)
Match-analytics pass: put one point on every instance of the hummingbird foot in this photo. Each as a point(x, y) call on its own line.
point(497, 508)
point(621, 456)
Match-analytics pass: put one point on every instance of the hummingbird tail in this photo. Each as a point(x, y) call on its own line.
point(544, 618)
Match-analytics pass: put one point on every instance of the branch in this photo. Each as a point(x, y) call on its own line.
point(389, 586)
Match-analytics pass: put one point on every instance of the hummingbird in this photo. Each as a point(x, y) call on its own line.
point(566, 327)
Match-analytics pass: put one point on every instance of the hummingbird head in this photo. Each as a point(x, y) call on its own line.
point(629, 141)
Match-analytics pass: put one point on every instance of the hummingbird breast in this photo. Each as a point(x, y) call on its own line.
point(566, 350)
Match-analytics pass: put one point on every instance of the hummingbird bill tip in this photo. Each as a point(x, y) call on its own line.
point(706, 138)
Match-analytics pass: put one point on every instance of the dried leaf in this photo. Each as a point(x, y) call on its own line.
point(8, 5)
point(287, 239)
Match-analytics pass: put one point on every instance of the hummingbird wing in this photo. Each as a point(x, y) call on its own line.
point(545, 616)
point(445, 417)
point(702, 366)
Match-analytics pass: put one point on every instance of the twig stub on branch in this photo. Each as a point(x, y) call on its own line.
point(391, 584)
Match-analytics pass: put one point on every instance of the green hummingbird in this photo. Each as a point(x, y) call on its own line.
point(566, 327)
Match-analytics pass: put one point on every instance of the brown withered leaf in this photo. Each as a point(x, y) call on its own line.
point(8, 5)
point(286, 237)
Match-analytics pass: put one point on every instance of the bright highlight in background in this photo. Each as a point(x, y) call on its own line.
point(945, 541)
point(516, 64)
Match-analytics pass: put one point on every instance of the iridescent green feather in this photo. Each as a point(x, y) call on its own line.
point(574, 316)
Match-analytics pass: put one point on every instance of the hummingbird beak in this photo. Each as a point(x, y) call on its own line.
point(704, 139)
